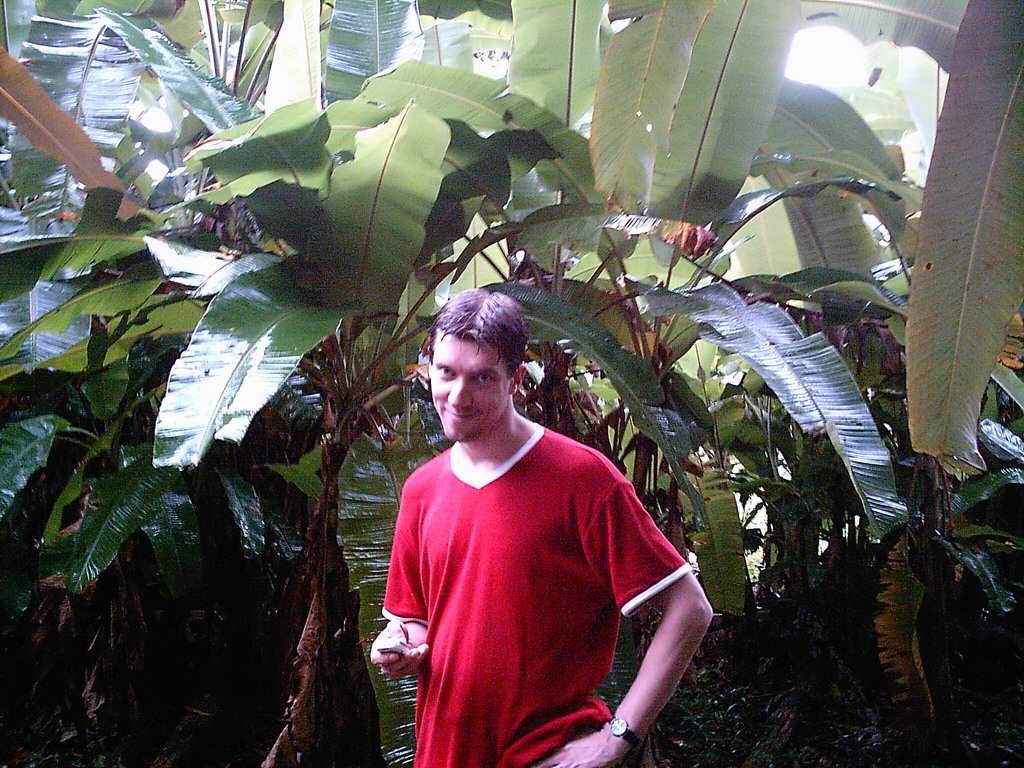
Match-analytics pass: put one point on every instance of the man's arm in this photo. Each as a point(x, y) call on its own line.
point(394, 665)
point(686, 617)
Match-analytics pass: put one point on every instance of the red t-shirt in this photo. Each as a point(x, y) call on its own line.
point(520, 583)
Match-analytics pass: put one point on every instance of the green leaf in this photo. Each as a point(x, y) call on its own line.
point(970, 258)
point(347, 118)
point(725, 107)
point(287, 145)
point(808, 376)
point(1009, 382)
point(556, 319)
point(749, 205)
point(815, 132)
point(556, 54)
point(208, 97)
point(641, 78)
point(360, 243)
point(173, 530)
point(105, 390)
point(448, 44)
point(24, 448)
point(208, 272)
point(987, 535)
point(449, 9)
point(927, 24)
point(368, 37)
point(99, 237)
point(984, 568)
point(18, 314)
point(157, 317)
point(829, 230)
point(295, 70)
point(303, 474)
point(487, 106)
point(123, 500)
point(17, 16)
point(105, 299)
point(974, 492)
point(245, 508)
point(1001, 442)
point(248, 342)
point(723, 568)
point(15, 591)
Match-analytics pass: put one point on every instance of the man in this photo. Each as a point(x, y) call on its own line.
point(514, 553)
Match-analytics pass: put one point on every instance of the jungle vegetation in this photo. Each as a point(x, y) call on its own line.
point(225, 224)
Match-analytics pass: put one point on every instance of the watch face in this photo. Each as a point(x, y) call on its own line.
point(619, 726)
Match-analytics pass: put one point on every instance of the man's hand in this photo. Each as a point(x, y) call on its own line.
point(399, 651)
point(595, 750)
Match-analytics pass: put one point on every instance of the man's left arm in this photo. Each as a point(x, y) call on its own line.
point(685, 619)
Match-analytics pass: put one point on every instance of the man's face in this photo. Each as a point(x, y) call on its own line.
point(472, 389)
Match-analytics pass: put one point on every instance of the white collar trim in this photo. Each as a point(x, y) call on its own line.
point(477, 478)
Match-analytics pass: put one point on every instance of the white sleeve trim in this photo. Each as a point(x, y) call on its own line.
point(647, 594)
point(389, 615)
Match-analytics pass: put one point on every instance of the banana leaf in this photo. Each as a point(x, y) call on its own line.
point(173, 531)
point(286, 145)
point(72, 98)
point(972, 493)
point(810, 378)
point(723, 568)
point(157, 317)
point(1001, 442)
point(448, 44)
point(725, 107)
point(360, 243)
point(556, 54)
point(815, 133)
point(449, 9)
point(295, 70)
point(68, 306)
point(487, 106)
point(639, 84)
point(248, 342)
point(369, 488)
point(17, 16)
point(555, 319)
point(303, 473)
point(368, 37)
point(980, 563)
point(829, 229)
point(23, 312)
point(208, 97)
point(749, 205)
point(970, 257)
point(208, 272)
point(245, 508)
point(124, 500)
point(24, 448)
point(930, 25)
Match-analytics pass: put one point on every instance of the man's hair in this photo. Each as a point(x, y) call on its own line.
point(487, 318)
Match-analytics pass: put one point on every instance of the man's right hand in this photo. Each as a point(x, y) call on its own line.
point(407, 661)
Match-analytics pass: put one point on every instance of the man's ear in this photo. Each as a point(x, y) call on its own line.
point(517, 377)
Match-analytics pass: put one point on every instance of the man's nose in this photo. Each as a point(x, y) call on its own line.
point(458, 393)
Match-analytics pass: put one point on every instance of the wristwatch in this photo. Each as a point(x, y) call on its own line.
point(621, 729)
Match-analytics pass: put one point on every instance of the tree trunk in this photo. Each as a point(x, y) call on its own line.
point(331, 717)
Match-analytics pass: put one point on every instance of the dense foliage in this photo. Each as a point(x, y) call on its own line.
point(226, 225)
